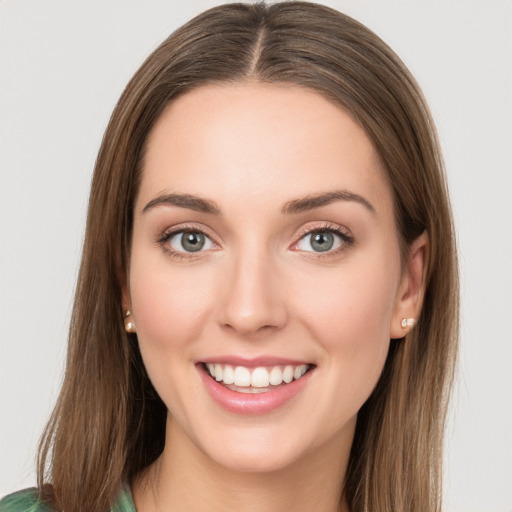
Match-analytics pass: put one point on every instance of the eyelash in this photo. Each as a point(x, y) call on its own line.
point(347, 240)
point(166, 236)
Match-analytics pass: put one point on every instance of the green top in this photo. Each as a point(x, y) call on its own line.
point(27, 501)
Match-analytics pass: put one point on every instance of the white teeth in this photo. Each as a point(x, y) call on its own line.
point(242, 377)
point(259, 377)
point(229, 375)
point(218, 372)
point(288, 374)
point(299, 371)
point(276, 376)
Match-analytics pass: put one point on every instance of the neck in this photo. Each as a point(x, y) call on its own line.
point(184, 478)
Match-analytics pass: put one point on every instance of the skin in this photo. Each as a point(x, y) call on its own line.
point(259, 289)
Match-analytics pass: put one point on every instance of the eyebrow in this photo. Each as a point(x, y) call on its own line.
point(189, 201)
point(295, 206)
point(317, 200)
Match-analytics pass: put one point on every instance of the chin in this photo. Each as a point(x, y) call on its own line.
point(273, 447)
point(246, 459)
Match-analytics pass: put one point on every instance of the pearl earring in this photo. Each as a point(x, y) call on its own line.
point(128, 325)
point(407, 322)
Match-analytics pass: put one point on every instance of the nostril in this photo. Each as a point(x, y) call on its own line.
point(249, 329)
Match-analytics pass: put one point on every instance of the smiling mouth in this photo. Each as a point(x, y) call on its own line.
point(255, 380)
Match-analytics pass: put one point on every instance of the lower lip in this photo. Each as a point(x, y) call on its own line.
point(252, 403)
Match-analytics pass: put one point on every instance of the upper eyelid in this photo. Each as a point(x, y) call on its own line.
point(163, 240)
point(307, 229)
point(180, 228)
point(323, 226)
point(342, 232)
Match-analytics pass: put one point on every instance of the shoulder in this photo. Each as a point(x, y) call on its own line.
point(28, 501)
point(23, 501)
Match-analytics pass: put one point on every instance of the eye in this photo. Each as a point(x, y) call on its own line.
point(323, 240)
point(190, 241)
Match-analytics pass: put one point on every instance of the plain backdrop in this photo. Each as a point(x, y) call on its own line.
point(63, 64)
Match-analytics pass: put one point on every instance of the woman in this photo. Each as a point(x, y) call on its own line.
point(266, 312)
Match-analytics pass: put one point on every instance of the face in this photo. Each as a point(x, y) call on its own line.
point(265, 279)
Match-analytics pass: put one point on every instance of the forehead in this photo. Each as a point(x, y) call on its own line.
point(253, 140)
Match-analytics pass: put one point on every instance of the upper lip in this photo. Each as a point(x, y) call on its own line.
point(253, 362)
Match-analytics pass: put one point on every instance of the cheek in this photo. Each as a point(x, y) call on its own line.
point(169, 304)
point(349, 313)
point(351, 304)
point(170, 309)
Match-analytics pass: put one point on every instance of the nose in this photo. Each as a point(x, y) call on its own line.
point(253, 298)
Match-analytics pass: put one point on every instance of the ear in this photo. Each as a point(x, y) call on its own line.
point(409, 299)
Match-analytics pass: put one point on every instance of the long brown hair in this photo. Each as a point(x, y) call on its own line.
point(109, 423)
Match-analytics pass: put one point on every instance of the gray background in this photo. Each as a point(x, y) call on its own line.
point(63, 64)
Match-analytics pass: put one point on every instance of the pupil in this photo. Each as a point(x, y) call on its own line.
point(322, 241)
point(192, 242)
